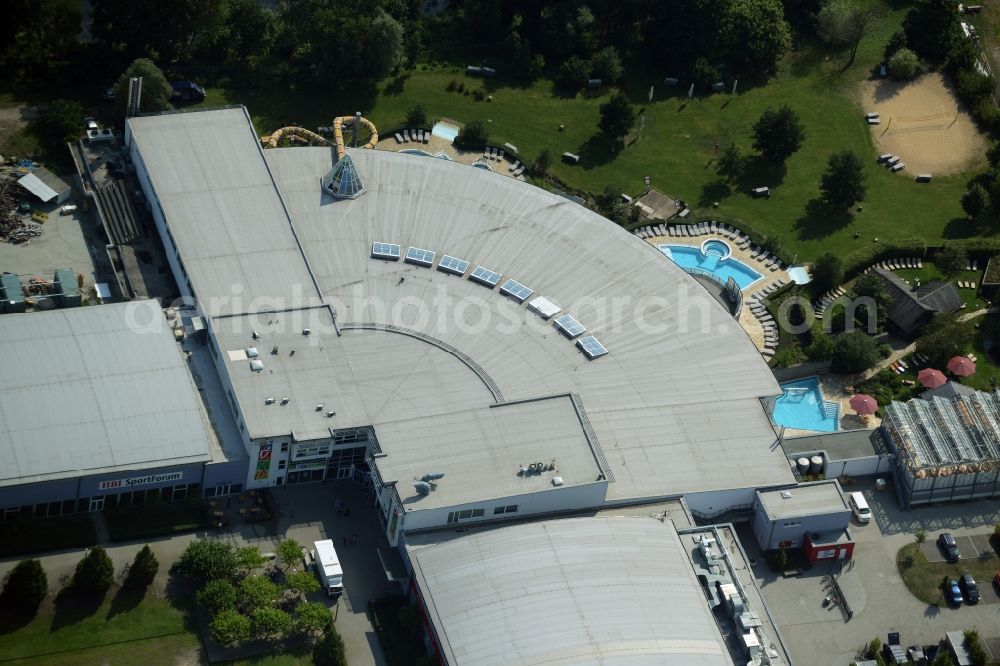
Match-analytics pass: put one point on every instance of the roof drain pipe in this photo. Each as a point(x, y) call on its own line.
point(335, 327)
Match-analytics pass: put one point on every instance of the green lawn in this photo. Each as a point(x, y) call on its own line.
point(164, 650)
point(923, 578)
point(678, 142)
point(73, 626)
point(930, 272)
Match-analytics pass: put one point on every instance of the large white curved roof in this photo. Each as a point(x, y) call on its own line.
point(675, 406)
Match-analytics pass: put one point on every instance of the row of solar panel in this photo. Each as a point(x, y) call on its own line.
point(566, 323)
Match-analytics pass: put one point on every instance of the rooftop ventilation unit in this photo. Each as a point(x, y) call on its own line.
point(268, 401)
point(422, 487)
point(320, 406)
point(786, 495)
point(557, 481)
point(449, 264)
point(415, 255)
point(251, 352)
point(284, 401)
point(432, 476)
point(256, 365)
point(330, 415)
point(343, 181)
point(516, 290)
point(306, 331)
point(544, 308)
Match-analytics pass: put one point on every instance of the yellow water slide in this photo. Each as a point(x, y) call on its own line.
point(302, 135)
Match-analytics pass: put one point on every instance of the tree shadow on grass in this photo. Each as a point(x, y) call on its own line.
point(598, 150)
point(13, 619)
point(73, 607)
point(394, 87)
point(126, 599)
point(714, 191)
point(820, 220)
point(761, 172)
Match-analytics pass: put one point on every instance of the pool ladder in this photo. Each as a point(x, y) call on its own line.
point(831, 410)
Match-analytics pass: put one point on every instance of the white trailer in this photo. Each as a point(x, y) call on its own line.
point(328, 568)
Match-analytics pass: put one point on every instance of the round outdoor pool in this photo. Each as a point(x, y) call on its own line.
point(716, 247)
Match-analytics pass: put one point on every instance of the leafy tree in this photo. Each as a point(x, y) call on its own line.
point(94, 573)
point(843, 184)
point(258, 592)
point(820, 347)
point(416, 116)
point(943, 658)
point(473, 136)
point(932, 29)
point(896, 42)
point(312, 617)
point(606, 65)
point(993, 154)
point(705, 73)
point(943, 337)
point(732, 164)
point(290, 552)
point(209, 559)
point(977, 201)
point(781, 558)
point(871, 285)
point(251, 32)
point(144, 568)
point(63, 119)
point(384, 45)
point(975, 648)
point(844, 23)
point(574, 72)
point(302, 582)
point(920, 535)
point(169, 30)
point(752, 35)
point(329, 650)
point(36, 35)
point(25, 587)
point(156, 91)
point(270, 622)
point(952, 259)
point(218, 595)
point(248, 558)
point(518, 56)
point(827, 272)
point(542, 162)
point(778, 133)
point(905, 65)
point(617, 116)
point(854, 352)
point(230, 628)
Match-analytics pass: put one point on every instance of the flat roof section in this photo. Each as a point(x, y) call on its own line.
point(93, 390)
point(841, 445)
point(574, 590)
point(481, 452)
point(806, 500)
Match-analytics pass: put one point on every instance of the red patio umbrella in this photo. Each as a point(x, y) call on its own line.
point(931, 378)
point(864, 404)
point(961, 366)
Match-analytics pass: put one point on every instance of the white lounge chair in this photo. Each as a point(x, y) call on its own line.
point(406, 136)
point(399, 138)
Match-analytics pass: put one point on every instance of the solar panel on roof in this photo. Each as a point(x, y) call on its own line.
point(450, 264)
point(485, 276)
point(516, 290)
point(385, 251)
point(591, 347)
point(415, 255)
point(570, 326)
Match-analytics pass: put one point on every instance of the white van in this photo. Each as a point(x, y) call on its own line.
point(860, 507)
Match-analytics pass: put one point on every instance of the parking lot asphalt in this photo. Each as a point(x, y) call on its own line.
point(820, 636)
point(971, 546)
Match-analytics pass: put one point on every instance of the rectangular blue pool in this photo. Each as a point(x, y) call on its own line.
point(802, 406)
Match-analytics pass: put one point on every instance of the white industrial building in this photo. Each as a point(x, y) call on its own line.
point(98, 409)
point(591, 590)
point(400, 334)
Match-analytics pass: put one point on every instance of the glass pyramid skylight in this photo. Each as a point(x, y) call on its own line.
point(344, 181)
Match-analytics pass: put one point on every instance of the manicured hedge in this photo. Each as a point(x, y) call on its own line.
point(892, 248)
point(20, 537)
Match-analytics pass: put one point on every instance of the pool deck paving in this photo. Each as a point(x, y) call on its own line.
point(437, 145)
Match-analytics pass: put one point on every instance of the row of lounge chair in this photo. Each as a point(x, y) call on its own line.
point(973, 265)
point(417, 135)
point(740, 239)
point(966, 284)
point(821, 304)
point(898, 366)
point(756, 305)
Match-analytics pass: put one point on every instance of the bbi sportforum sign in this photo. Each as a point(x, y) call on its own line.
point(134, 481)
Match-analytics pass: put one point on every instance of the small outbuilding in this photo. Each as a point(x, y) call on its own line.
point(812, 516)
point(46, 186)
point(912, 308)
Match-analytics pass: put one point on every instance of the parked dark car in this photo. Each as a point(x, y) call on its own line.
point(953, 594)
point(969, 588)
point(949, 547)
point(187, 91)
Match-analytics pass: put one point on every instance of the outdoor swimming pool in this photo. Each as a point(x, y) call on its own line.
point(713, 261)
point(424, 153)
point(802, 406)
point(446, 131)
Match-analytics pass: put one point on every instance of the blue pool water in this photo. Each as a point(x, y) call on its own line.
point(802, 406)
point(424, 153)
point(691, 257)
point(717, 248)
point(445, 131)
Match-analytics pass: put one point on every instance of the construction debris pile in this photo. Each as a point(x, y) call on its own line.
point(16, 226)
